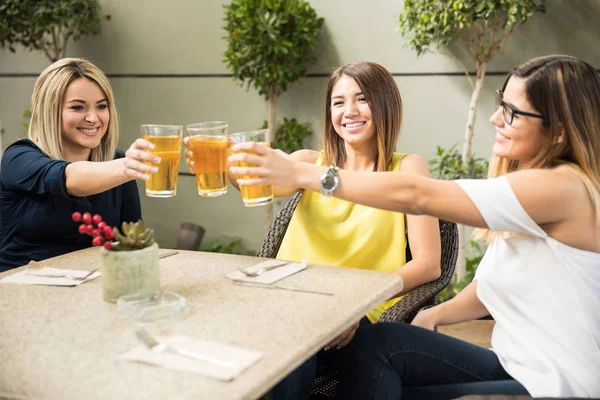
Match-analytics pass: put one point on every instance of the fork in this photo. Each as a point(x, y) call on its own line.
point(148, 340)
point(262, 270)
point(71, 277)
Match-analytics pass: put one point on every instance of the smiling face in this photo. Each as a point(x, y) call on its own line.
point(523, 140)
point(350, 113)
point(85, 118)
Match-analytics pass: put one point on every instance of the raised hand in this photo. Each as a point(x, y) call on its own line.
point(189, 155)
point(271, 167)
point(135, 156)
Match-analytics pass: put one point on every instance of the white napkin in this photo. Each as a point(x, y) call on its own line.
point(268, 277)
point(240, 357)
point(28, 277)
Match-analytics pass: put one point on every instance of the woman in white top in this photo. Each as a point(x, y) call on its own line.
point(540, 277)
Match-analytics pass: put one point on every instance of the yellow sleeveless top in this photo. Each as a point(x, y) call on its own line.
point(328, 230)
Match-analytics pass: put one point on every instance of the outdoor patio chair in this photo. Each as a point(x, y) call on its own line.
point(190, 236)
point(325, 383)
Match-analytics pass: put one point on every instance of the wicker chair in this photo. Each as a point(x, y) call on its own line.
point(403, 311)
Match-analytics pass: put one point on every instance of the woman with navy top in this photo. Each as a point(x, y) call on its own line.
point(68, 163)
point(540, 276)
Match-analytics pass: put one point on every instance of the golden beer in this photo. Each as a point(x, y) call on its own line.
point(210, 164)
point(255, 195)
point(163, 183)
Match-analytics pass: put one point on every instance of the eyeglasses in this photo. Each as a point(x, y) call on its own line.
point(509, 111)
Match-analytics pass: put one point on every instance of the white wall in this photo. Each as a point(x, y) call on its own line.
point(178, 37)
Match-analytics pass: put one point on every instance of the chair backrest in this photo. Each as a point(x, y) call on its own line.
point(449, 239)
point(190, 236)
point(274, 237)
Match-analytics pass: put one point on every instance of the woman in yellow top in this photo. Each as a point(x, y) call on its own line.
point(363, 114)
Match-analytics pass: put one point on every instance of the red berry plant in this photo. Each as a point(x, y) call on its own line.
point(134, 236)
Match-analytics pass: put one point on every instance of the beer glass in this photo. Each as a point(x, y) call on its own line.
point(209, 146)
point(167, 146)
point(253, 195)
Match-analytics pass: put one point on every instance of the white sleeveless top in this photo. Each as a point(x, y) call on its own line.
point(544, 296)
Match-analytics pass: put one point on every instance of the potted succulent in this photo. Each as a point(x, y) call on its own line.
point(129, 256)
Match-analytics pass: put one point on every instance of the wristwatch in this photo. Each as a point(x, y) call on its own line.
point(329, 181)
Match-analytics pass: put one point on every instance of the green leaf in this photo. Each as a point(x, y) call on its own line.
point(30, 23)
point(270, 43)
point(447, 164)
point(432, 24)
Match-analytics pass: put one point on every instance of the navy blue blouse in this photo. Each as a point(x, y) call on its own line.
point(35, 208)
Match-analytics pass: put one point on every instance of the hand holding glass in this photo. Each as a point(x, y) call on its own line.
point(167, 145)
point(253, 195)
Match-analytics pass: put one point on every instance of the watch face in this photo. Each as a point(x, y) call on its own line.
point(329, 182)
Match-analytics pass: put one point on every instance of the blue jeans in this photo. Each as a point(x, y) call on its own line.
point(401, 361)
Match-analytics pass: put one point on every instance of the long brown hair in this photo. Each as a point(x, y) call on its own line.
point(566, 91)
point(47, 101)
point(382, 95)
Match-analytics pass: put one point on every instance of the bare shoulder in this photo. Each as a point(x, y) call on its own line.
point(305, 155)
point(558, 180)
point(415, 164)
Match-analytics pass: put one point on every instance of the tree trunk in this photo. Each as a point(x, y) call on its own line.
point(470, 129)
point(272, 126)
point(272, 122)
point(461, 263)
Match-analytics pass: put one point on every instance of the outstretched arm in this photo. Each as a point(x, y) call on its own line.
point(305, 155)
point(85, 178)
point(419, 195)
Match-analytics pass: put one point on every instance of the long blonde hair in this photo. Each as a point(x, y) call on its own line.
point(566, 91)
point(382, 95)
point(47, 102)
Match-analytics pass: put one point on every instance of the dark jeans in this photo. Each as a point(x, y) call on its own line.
point(297, 385)
point(401, 361)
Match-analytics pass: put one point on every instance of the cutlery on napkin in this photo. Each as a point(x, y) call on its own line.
point(270, 276)
point(36, 274)
point(239, 358)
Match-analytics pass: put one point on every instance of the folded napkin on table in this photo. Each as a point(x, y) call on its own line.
point(31, 276)
point(268, 277)
point(238, 358)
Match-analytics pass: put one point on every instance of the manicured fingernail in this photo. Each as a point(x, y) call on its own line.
point(339, 347)
point(152, 146)
point(154, 169)
point(326, 348)
point(157, 160)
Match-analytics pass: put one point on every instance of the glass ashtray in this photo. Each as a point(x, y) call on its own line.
point(148, 306)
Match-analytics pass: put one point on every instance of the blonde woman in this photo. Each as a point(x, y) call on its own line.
point(540, 277)
point(69, 163)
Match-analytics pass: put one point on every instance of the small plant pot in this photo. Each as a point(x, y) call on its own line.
point(128, 272)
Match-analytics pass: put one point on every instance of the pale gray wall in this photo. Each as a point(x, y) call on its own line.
point(186, 37)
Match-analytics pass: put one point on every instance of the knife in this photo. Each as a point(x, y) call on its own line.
point(265, 286)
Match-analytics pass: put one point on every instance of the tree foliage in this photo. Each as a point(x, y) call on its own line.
point(47, 25)
point(290, 135)
point(481, 25)
point(448, 165)
point(270, 42)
